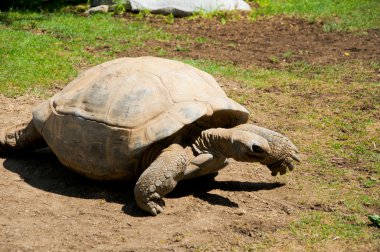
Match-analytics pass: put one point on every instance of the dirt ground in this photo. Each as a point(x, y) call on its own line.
point(270, 43)
point(46, 207)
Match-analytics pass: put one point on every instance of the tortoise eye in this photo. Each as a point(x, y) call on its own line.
point(257, 149)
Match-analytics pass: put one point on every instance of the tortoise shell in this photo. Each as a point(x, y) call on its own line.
point(101, 122)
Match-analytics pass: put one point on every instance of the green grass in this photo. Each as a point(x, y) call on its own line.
point(329, 226)
point(349, 15)
point(321, 231)
point(317, 228)
point(32, 63)
point(46, 50)
point(255, 77)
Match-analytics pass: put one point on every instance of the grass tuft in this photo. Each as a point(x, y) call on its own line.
point(347, 15)
point(36, 41)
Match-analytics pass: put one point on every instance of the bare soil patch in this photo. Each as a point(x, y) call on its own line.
point(270, 42)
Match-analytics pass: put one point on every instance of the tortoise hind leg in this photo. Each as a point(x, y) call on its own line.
point(19, 138)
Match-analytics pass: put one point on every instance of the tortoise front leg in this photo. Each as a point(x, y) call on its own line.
point(160, 178)
point(205, 164)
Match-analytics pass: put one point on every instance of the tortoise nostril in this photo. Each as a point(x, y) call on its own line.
point(257, 149)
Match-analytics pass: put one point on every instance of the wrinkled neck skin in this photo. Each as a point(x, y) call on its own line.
point(233, 143)
point(218, 142)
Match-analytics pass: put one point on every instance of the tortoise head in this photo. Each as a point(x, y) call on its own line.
point(248, 147)
point(249, 144)
point(268, 147)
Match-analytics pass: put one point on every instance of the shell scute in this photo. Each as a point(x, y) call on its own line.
point(186, 85)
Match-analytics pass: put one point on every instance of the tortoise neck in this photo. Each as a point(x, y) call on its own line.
point(214, 141)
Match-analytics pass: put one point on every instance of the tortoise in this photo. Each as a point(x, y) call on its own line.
point(151, 120)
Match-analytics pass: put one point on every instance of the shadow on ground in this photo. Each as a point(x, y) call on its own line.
point(37, 5)
point(42, 170)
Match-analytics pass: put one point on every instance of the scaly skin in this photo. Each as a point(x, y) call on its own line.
point(21, 137)
point(161, 177)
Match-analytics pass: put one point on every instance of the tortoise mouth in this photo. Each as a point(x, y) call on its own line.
point(275, 164)
point(253, 157)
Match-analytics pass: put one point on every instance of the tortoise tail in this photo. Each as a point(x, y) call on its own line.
point(20, 138)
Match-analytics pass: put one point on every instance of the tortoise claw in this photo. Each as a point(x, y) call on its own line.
point(154, 204)
point(154, 208)
point(295, 157)
point(281, 167)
